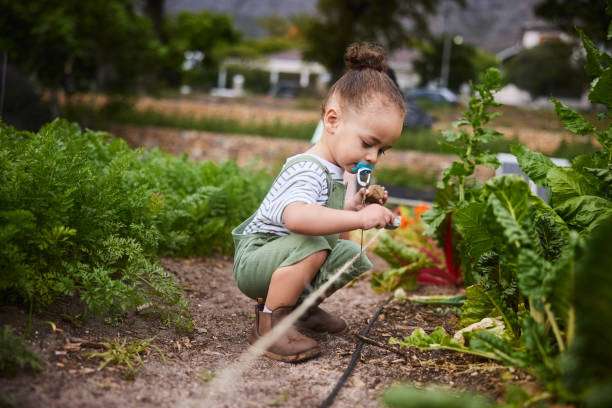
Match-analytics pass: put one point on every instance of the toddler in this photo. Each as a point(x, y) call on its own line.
point(292, 245)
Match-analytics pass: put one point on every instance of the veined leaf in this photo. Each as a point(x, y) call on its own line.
point(509, 200)
point(471, 224)
point(590, 354)
point(566, 183)
point(535, 275)
point(551, 229)
point(509, 221)
point(422, 340)
point(485, 341)
point(585, 212)
point(481, 303)
point(571, 120)
point(534, 164)
point(433, 218)
point(538, 347)
point(396, 253)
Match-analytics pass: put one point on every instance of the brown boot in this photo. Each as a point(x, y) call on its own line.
point(318, 320)
point(292, 347)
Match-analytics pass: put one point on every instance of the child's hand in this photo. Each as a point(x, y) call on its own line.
point(356, 203)
point(375, 216)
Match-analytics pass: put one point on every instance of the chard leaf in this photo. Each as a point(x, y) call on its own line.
point(507, 218)
point(538, 348)
point(481, 303)
point(585, 212)
point(471, 224)
point(601, 89)
point(485, 341)
point(422, 340)
point(433, 218)
point(552, 231)
point(534, 164)
point(394, 278)
point(396, 253)
point(566, 183)
point(535, 275)
point(571, 120)
point(509, 202)
point(590, 353)
point(605, 177)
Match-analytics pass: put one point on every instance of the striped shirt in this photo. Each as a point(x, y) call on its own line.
point(303, 182)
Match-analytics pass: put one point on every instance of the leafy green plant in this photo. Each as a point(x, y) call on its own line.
point(413, 257)
point(83, 214)
point(15, 355)
point(126, 355)
point(410, 397)
point(522, 253)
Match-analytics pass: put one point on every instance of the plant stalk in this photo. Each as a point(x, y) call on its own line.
point(555, 327)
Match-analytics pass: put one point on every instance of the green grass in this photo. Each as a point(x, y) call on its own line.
point(418, 140)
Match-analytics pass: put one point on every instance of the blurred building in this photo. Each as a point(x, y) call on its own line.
point(533, 33)
point(300, 73)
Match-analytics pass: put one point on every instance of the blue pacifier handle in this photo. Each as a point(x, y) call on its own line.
point(362, 165)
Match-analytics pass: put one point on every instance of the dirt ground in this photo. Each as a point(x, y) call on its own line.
point(177, 371)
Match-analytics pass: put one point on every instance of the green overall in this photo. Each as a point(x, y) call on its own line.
point(258, 255)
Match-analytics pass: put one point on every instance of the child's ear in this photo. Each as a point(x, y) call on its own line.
point(331, 119)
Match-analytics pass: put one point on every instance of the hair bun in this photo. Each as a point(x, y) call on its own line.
point(364, 55)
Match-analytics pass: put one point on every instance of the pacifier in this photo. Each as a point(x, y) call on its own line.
point(364, 173)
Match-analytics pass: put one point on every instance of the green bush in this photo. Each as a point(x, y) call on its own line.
point(82, 213)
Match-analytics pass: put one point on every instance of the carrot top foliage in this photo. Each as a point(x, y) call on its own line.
point(81, 213)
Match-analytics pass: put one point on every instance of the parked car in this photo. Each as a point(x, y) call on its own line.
point(416, 118)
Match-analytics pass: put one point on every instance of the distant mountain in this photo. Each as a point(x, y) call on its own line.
point(489, 24)
point(246, 12)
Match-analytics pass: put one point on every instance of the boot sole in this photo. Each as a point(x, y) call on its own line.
point(296, 358)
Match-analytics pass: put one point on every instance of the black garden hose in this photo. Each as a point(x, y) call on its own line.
point(354, 358)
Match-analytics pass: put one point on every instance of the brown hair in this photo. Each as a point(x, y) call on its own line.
point(366, 76)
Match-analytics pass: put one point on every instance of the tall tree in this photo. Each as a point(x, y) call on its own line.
point(155, 10)
point(588, 15)
point(466, 61)
point(71, 43)
point(392, 23)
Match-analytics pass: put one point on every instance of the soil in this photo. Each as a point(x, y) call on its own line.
point(177, 370)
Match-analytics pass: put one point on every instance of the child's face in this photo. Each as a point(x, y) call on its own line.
point(364, 134)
